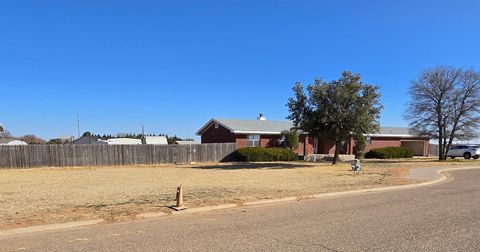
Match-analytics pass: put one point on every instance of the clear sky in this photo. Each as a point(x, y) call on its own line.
point(173, 65)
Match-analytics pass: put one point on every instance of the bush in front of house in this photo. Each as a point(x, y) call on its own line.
point(258, 154)
point(389, 153)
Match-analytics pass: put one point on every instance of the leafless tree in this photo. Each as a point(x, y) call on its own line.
point(445, 105)
point(32, 139)
point(5, 134)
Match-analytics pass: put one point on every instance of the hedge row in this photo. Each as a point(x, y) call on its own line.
point(389, 152)
point(257, 154)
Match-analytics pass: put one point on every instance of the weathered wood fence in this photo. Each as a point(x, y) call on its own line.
point(29, 156)
point(433, 150)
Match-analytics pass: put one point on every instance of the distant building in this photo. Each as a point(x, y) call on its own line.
point(66, 139)
point(264, 133)
point(6, 141)
point(122, 141)
point(88, 140)
point(158, 140)
point(187, 142)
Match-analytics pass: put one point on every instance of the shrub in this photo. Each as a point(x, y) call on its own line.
point(360, 144)
point(291, 139)
point(389, 152)
point(257, 154)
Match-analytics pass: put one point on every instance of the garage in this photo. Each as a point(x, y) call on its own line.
point(416, 146)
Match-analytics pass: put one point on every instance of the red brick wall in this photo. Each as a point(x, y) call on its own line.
point(326, 146)
point(380, 142)
point(269, 140)
point(241, 141)
point(265, 140)
point(309, 145)
point(220, 135)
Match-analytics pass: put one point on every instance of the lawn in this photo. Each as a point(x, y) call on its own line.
point(52, 195)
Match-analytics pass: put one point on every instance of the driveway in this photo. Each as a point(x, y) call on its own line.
point(442, 217)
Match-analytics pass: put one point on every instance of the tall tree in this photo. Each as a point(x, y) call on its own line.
point(445, 105)
point(336, 109)
point(87, 134)
point(32, 139)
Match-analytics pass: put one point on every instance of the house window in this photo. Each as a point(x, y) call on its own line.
point(216, 125)
point(253, 140)
point(369, 140)
point(281, 141)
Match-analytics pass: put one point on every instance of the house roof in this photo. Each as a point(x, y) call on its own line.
point(238, 126)
point(123, 141)
point(184, 142)
point(10, 141)
point(156, 140)
point(249, 126)
point(394, 132)
point(85, 140)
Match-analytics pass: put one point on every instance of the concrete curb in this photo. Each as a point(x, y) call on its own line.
point(67, 225)
point(49, 227)
point(370, 190)
point(438, 173)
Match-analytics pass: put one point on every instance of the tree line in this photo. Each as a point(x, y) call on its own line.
point(32, 139)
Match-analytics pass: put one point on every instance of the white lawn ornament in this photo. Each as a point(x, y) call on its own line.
point(356, 166)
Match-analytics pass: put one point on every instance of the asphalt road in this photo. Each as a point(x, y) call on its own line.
point(443, 217)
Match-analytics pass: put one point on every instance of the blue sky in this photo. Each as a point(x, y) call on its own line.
point(173, 65)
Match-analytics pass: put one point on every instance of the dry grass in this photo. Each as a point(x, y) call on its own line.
point(51, 195)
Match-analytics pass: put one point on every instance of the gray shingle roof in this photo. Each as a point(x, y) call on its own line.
point(395, 130)
point(276, 127)
point(250, 126)
point(255, 125)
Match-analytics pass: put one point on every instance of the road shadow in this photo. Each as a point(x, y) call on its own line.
point(238, 166)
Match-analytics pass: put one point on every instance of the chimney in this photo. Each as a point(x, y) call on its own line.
point(261, 117)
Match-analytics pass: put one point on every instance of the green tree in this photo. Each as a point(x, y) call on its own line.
point(87, 134)
point(335, 109)
point(360, 144)
point(290, 139)
point(55, 141)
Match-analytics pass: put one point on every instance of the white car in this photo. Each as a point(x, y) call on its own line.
point(466, 151)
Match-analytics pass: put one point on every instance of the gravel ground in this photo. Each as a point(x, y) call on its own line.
point(53, 195)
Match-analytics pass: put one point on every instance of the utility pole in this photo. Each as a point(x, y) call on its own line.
point(78, 125)
point(144, 140)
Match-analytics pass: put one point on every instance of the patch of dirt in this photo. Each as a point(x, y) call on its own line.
point(55, 195)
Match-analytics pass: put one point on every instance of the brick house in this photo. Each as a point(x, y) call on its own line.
point(398, 137)
point(265, 133)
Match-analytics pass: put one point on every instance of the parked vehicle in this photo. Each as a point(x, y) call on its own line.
point(466, 151)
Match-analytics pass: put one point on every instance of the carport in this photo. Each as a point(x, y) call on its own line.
point(417, 146)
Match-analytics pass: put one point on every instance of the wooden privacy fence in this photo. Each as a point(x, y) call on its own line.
point(28, 156)
point(433, 150)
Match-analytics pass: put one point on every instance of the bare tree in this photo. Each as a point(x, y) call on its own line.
point(444, 105)
point(32, 139)
point(6, 134)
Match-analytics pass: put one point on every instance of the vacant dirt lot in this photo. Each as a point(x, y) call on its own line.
point(51, 195)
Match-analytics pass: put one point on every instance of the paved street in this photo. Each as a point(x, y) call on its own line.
point(443, 217)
